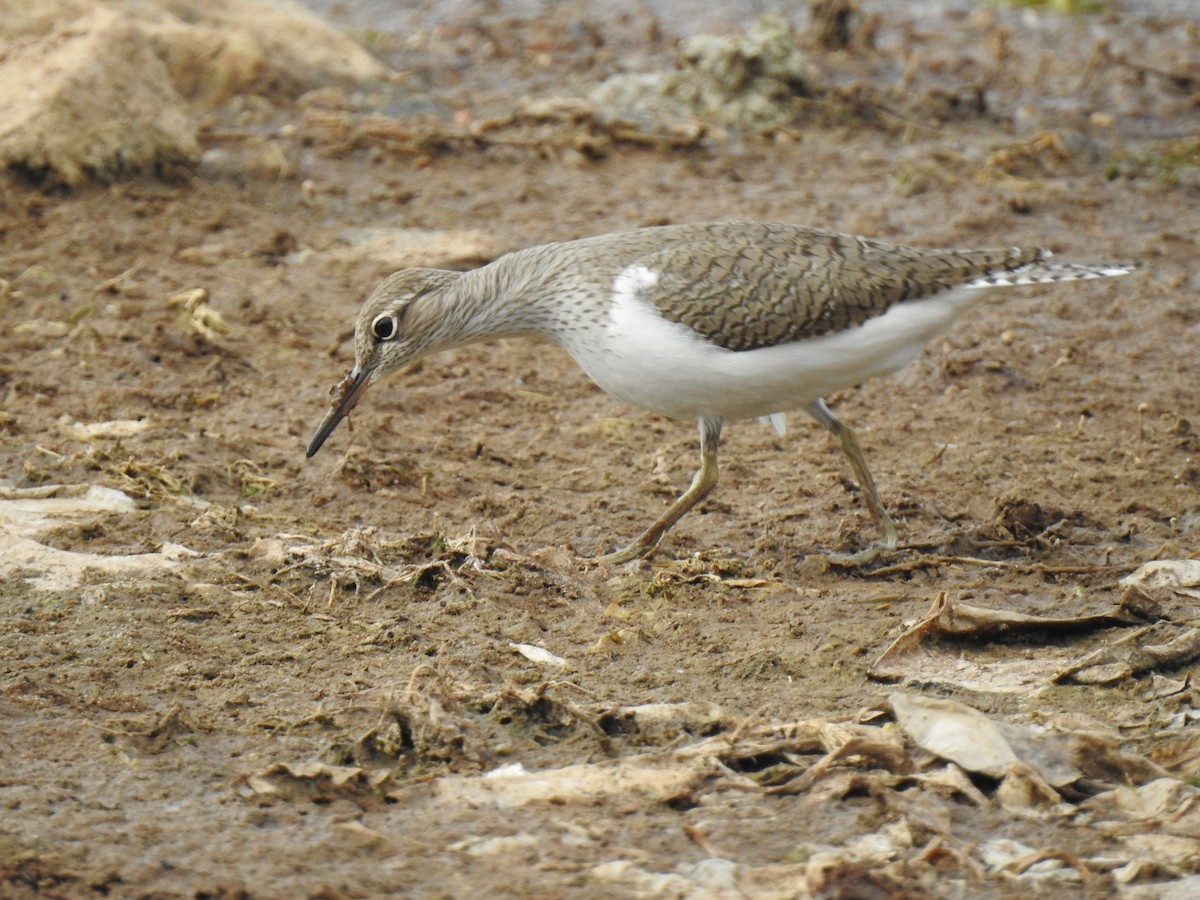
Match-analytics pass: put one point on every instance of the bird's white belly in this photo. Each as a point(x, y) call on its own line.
point(666, 367)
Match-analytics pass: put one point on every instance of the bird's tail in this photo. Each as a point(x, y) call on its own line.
point(1044, 270)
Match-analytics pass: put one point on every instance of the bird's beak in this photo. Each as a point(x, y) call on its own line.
point(344, 397)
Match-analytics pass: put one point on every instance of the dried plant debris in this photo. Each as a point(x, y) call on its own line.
point(152, 735)
point(956, 733)
point(1155, 647)
point(975, 648)
point(34, 509)
point(199, 315)
point(541, 656)
point(27, 515)
point(1172, 582)
point(314, 782)
point(663, 723)
point(512, 785)
point(438, 725)
point(367, 563)
point(117, 429)
point(917, 759)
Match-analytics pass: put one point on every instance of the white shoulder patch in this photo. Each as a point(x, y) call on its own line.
point(629, 284)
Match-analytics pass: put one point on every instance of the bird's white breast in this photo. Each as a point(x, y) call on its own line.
point(645, 359)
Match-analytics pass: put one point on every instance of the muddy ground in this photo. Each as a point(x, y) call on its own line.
point(294, 684)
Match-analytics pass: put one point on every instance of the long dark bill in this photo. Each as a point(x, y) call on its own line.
point(348, 392)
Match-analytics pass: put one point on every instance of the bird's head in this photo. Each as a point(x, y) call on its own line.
point(394, 328)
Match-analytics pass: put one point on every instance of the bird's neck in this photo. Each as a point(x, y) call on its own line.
point(519, 294)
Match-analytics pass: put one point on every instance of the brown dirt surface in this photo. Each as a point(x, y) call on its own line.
point(268, 676)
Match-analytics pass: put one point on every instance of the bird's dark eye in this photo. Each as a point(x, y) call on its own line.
point(384, 326)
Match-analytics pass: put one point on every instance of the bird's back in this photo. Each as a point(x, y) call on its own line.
point(749, 285)
point(738, 319)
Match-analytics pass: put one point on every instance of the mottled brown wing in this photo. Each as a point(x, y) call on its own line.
point(744, 286)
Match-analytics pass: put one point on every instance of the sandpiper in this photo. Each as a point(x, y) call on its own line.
point(710, 322)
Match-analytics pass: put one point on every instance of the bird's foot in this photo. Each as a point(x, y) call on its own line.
point(636, 550)
point(888, 539)
point(863, 557)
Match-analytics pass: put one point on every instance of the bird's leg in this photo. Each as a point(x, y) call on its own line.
point(702, 484)
point(887, 528)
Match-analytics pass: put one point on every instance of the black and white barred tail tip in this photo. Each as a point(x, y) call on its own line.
point(1047, 271)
